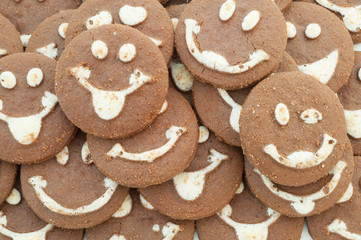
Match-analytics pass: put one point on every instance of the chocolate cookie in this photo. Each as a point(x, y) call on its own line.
point(136, 219)
point(350, 98)
point(155, 155)
point(148, 16)
point(48, 37)
point(7, 179)
point(18, 222)
point(293, 129)
point(82, 198)
point(319, 43)
point(221, 111)
point(233, 43)
point(9, 38)
point(115, 76)
point(245, 217)
point(205, 187)
point(33, 128)
point(343, 221)
point(305, 200)
point(26, 15)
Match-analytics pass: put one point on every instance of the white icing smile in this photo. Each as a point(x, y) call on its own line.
point(340, 228)
point(26, 129)
point(322, 69)
point(257, 231)
point(49, 50)
point(353, 123)
point(125, 209)
point(172, 134)
point(347, 195)
point(215, 61)
point(305, 204)
point(39, 184)
point(109, 104)
point(236, 109)
point(190, 185)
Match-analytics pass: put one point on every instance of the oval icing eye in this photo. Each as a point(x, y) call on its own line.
point(132, 16)
point(62, 29)
point(85, 154)
point(8, 80)
point(227, 10)
point(99, 49)
point(251, 20)
point(359, 74)
point(127, 52)
point(311, 116)
point(100, 19)
point(282, 114)
point(313, 31)
point(35, 77)
point(291, 30)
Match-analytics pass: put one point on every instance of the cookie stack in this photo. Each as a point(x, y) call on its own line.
point(222, 119)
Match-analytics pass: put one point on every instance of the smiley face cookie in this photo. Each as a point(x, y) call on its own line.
point(7, 179)
point(83, 198)
point(9, 38)
point(33, 128)
point(343, 221)
point(233, 43)
point(245, 217)
point(205, 187)
point(137, 219)
point(115, 76)
point(319, 43)
point(293, 129)
point(149, 17)
point(48, 38)
point(155, 155)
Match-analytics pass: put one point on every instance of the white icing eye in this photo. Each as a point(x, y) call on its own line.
point(311, 116)
point(63, 157)
point(14, 197)
point(99, 49)
point(132, 15)
point(183, 79)
point(251, 20)
point(100, 19)
point(203, 134)
point(62, 29)
point(313, 31)
point(156, 228)
point(3, 52)
point(227, 10)
point(291, 30)
point(175, 23)
point(35, 77)
point(127, 52)
point(282, 114)
point(359, 74)
point(85, 154)
point(8, 80)
point(164, 107)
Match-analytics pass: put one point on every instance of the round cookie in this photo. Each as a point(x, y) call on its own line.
point(33, 128)
point(48, 37)
point(7, 179)
point(319, 43)
point(205, 187)
point(350, 98)
point(255, 42)
point(137, 219)
point(9, 38)
point(69, 191)
point(26, 15)
point(148, 16)
point(115, 76)
point(343, 221)
point(221, 111)
point(155, 155)
point(18, 221)
point(293, 129)
point(245, 217)
point(305, 200)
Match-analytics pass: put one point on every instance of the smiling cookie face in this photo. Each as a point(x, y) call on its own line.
point(293, 129)
point(32, 126)
point(117, 78)
point(257, 25)
point(319, 43)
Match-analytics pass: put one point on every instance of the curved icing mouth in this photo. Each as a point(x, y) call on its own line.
point(353, 123)
point(27, 129)
point(339, 227)
point(303, 159)
point(216, 61)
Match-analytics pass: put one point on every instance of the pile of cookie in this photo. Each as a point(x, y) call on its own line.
point(169, 120)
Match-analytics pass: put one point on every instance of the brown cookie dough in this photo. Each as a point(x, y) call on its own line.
point(149, 17)
point(305, 200)
point(18, 221)
point(69, 191)
point(137, 219)
point(26, 15)
point(9, 38)
point(175, 11)
point(233, 43)
point(282, 4)
point(319, 43)
point(33, 128)
point(155, 155)
point(7, 179)
point(205, 187)
point(115, 76)
point(343, 221)
point(350, 98)
point(48, 37)
point(293, 129)
point(222, 109)
point(245, 217)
